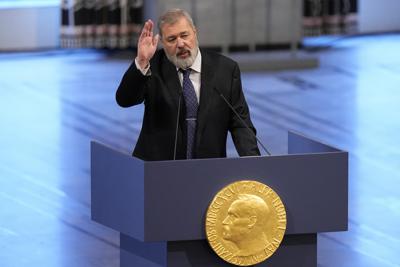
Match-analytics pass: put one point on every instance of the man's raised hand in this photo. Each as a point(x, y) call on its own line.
point(147, 44)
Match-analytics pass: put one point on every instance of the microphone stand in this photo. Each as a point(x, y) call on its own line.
point(242, 121)
point(177, 123)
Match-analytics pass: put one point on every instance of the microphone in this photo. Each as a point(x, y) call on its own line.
point(242, 121)
point(177, 123)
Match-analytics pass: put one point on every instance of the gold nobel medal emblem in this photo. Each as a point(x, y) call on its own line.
point(245, 223)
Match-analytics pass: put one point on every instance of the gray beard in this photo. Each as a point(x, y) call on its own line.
point(183, 63)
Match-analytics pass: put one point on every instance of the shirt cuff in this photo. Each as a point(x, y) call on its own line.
point(145, 71)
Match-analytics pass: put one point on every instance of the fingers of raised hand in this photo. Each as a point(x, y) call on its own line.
point(147, 30)
point(151, 25)
point(143, 33)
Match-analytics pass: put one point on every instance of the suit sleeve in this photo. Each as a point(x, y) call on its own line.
point(245, 142)
point(131, 90)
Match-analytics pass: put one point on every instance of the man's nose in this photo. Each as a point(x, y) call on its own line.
point(180, 43)
point(226, 221)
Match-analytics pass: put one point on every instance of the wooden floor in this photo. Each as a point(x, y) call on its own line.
point(53, 103)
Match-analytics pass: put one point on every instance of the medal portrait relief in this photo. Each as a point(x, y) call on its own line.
point(245, 224)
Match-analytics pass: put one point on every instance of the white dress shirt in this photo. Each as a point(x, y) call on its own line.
point(195, 75)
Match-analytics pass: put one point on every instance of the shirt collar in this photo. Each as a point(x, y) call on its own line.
point(196, 66)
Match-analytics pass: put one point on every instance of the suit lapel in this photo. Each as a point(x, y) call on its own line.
point(206, 94)
point(174, 89)
point(170, 76)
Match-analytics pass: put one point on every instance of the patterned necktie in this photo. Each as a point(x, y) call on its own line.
point(191, 111)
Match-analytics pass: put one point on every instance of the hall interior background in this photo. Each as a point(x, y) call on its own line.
point(341, 89)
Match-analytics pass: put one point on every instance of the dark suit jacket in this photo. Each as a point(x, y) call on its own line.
point(160, 93)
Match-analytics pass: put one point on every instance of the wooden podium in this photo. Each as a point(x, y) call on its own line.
point(159, 206)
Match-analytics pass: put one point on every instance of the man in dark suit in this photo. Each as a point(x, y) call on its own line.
point(182, 75)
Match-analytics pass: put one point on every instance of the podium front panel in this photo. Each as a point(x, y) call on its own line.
point(313, 188)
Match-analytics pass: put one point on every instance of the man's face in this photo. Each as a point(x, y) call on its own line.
point(180, 43)
point(236, 224)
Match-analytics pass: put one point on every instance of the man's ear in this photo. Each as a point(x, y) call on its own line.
point(253, 220)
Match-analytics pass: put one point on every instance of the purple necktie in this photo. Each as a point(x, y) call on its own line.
point(191, 111)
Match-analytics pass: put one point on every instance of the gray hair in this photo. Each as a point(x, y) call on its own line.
point(171, 16)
